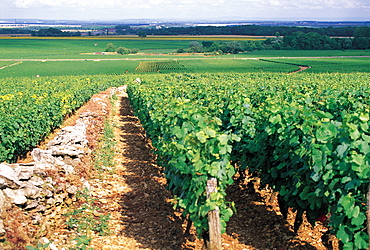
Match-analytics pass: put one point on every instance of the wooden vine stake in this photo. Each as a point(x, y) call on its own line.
point(213, 220)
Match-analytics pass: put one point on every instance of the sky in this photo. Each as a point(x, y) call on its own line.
point(253, 10)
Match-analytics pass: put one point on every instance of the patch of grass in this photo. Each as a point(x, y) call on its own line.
point(105, 152)
point(86, 217)
point(39, 246)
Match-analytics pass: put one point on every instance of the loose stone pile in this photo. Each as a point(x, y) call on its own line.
point(45, 182)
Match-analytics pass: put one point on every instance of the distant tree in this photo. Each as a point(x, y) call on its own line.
point(54, 33)
point(346, 43)
point(195, 47)
point(134, 50)
point(252, 45)
point(141, 33)
point(307, 41)
point(180, 50)
point(124, 51)
point(234, 47)
point(361, 43)
point(110, 47)
point(362, 32)
point(214, 47)
point(207, 44)
point(123, 29)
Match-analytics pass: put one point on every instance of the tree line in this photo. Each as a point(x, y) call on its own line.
point(252, 30)
point(283, 37)
point(316, 41)
point(296, 41)
point(53, 32)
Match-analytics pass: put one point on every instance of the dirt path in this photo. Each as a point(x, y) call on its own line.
point(301, 68)
point(142, 214)
point(10, 65)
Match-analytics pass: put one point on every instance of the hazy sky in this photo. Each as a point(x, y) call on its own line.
point(320, 10)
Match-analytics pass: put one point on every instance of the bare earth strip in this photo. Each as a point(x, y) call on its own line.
point(135, 195)
point(10, 65)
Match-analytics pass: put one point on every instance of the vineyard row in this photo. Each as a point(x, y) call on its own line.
point(307, 135)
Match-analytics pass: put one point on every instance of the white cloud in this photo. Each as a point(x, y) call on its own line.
point(237, 3)
point(67, 3)
point(186, 9)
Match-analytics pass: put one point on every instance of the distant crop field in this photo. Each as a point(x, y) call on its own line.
point(325, 65)
point(64, 68)
point(80, 48)
point(160, 66)
point(235, 66)
point(32, 56)
point(85, 47)
point(94, 67)
point(304, 53)
point(5, 64)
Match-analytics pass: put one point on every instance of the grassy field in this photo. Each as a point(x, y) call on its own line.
point(84, 62)
point(90, 67)
point(84, 47)
point(79, 48)
point(235, 66)
point(5, 64)
point(62, 68)
point(305, 53)
point(324, 65)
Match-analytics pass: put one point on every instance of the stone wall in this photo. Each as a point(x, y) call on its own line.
point(53, 177)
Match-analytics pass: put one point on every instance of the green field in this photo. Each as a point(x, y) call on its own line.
point(79, 48)
point(324, 65)
point(62, 68)
point(83, 56)
point(305, 53)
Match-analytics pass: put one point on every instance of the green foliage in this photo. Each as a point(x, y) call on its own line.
point(307, 135)
point(55, 33)
point(160, 66)
point(124, 51)
point(141, 33)
point(31, 108)
point(86, 218)
point(104, 154)
point(110, 47)
point(38, 247)
point(81, 243)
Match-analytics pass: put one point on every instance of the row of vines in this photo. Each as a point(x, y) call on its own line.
point(30, 108)
point(307, 135)
point(159, 66)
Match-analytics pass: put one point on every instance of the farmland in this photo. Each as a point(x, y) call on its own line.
point(84, 56)
point(306, 134)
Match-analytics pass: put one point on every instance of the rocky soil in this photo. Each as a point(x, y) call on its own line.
point(133, 193)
